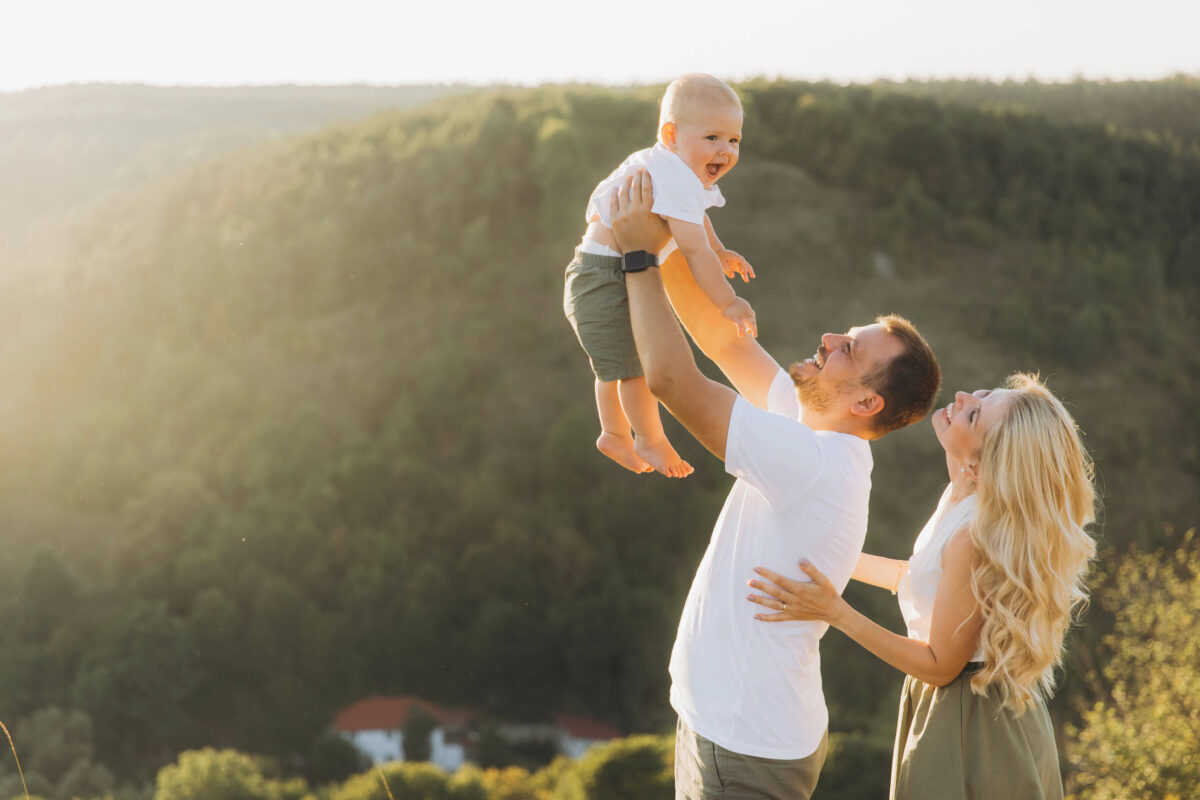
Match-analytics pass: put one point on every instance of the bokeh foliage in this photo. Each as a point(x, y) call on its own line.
point(1143, 738)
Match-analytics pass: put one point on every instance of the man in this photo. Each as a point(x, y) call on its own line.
point(752, 718)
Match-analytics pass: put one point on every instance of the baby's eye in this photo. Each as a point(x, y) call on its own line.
point(711, 138)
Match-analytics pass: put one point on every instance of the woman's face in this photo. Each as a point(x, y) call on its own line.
point(961, 425)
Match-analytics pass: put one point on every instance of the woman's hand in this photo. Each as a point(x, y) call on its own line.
point(796, 600)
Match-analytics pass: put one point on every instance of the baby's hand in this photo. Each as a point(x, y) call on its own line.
point(735, 264)
point(741, 314)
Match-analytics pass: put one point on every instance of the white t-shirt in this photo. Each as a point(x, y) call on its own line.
point(678, 193)
point(755, 687)
point(918, 586)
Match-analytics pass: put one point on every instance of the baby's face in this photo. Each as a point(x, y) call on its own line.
point(708, 142)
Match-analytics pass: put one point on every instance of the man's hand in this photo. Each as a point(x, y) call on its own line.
point(741, 314)
point(635, 227)
point(735, 264)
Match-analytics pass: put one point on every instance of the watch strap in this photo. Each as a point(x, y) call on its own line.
point(638, 261)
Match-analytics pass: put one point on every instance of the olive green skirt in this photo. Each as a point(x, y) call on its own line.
point(952, 744)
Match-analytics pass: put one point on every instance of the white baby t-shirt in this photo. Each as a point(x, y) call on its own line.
point(678, 193)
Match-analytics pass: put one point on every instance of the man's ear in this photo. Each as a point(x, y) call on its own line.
point(667, 134)
point(867, 405)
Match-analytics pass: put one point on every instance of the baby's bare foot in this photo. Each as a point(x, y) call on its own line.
point(662, 457)
point(621, 450)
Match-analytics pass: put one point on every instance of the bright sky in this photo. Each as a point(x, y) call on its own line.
point(48, 42)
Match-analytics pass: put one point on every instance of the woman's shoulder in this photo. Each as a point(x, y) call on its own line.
point(960, 550)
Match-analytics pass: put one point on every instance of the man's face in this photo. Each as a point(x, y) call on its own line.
point(836, 372)
point(708, 142)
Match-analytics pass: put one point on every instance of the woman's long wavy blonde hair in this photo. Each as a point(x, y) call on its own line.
point(1035, 498)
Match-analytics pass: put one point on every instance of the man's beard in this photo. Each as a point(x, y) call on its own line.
point(814, 394)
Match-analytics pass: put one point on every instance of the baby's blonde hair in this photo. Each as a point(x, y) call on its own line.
point(690, 93)
point(1035, 498)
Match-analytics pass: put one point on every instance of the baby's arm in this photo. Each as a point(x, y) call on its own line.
point(732, 263)
point(705, 264)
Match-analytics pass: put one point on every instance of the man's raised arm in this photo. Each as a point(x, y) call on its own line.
point(748, 366)
point(703, 406)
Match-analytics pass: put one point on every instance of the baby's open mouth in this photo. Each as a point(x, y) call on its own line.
point(713, 169)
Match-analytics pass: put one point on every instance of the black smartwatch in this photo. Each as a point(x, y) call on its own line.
point(638, 261)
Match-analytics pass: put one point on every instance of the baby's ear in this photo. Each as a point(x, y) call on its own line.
point(666, 134)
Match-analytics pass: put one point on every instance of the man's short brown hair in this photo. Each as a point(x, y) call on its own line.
point(908, 383)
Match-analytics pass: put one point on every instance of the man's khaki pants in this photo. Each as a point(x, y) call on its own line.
point(704, 769)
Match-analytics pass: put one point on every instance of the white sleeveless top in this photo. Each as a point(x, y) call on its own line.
point(918, 587)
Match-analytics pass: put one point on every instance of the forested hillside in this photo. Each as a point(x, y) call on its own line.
point(306, 423)
point(63, 148)
point(1167, 109)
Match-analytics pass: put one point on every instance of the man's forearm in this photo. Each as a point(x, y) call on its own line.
point(712, 333)
point(662, 348)
point(741, 358)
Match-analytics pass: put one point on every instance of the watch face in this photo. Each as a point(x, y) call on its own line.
point(638, 260)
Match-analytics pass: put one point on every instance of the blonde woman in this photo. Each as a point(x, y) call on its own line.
point(987, 597)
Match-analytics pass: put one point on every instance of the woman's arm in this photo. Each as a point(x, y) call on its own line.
point(953, 633)
point(879, 571)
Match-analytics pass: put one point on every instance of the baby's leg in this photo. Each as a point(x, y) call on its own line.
point(616, 439)
point(641, 409)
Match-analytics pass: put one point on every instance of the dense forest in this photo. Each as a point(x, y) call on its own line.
point(65, 148)
point(304, 422)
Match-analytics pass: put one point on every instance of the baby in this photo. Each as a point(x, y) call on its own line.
point(699, 131)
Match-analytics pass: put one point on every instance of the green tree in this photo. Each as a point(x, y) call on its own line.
point(211, 774)
point(404, 781)
point(509, 783)
point(1143, 741)
point(333, 759)
point(417, 733)
point(58, 756)
point(634, 768)
point(136, 681)
point(857, 767)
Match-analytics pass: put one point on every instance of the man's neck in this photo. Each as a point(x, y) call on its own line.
point(837, 423)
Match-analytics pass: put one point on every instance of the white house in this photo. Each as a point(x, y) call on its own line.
point(577, 734)
point(375, 726)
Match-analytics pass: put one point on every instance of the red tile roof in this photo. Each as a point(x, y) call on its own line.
point(584, 728)
point(389, 713)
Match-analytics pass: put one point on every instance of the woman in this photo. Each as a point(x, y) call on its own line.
point(987, 597)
